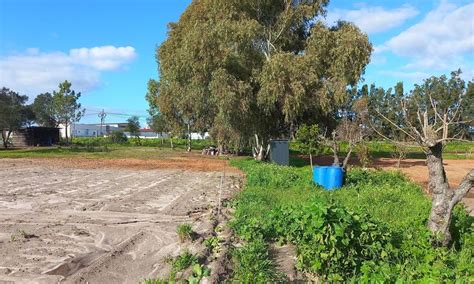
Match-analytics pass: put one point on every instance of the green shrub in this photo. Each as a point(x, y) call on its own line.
point(185, 232)
point(212, 244)
point(199, 271)
point(117, 137)
point(183, 261)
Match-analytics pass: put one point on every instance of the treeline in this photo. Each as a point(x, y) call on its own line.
point(48, 110)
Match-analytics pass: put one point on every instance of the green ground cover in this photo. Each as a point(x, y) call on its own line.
point(102, 147)
point(383, 149)
point(372, 230)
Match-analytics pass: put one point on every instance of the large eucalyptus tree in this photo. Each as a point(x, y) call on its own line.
point(240, 68)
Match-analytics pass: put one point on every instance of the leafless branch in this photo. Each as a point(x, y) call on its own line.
point(397, 126)
point(466, 185)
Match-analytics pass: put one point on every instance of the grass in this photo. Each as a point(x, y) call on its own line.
point(154, 149)
point(183, 261)
point(185, 232)
point(382, 149)
point(381, 209)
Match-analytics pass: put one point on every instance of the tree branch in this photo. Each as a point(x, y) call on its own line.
point(398, 127)
point(464, 188)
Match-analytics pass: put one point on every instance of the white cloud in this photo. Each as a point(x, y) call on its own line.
point(34, 72)
point(103, 57)
point(373, 19)
point(439, 40)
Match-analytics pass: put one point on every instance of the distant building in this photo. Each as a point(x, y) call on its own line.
point(35, 136)
point(146, 133)
point(91, 130)
point(200, 136)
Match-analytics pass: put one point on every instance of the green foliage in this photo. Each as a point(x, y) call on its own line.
point(66, 108)
point(155, 281)
point(43, 107)
point(252, 264)
point(185, 232)
point(199, 272)
point(331, 241)
point(372, 230)
point(183, 261)
point(212, 244)
point(133, 127)
point(13, 113)
point(238, 71)
point(363, 154)
point(307, 136)
point(117, 137)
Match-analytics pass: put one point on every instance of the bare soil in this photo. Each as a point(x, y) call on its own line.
point(101, 221)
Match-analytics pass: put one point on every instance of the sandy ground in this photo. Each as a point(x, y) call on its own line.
point(83, 222)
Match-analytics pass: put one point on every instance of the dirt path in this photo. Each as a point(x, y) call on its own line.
point(108, 225)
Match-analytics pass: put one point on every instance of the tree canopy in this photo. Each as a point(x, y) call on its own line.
point(13, 113)
point(66, 107)
point(43, 107)
point(240, 68)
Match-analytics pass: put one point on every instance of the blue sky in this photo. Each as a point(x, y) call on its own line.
point(107, 48)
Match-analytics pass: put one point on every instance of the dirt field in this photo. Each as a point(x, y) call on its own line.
point(85, 221)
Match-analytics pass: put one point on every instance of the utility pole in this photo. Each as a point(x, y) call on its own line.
point(102, 116)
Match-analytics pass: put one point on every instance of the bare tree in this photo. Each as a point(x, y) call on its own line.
point(260, 152)
point(430, 112)
point(351, 129)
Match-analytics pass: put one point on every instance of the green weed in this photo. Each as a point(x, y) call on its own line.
point(185, 232)
point(372, 230)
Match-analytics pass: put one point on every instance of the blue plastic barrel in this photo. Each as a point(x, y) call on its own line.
point(328, 177)
point(334, 178)
point(319, 175)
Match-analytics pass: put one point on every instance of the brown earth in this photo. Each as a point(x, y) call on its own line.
point(101, 221)
point(191, 162)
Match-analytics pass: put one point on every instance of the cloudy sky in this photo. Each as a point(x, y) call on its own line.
point(107, 48)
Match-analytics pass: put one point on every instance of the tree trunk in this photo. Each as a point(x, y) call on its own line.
point(444, 199)
point(5, 139)
point(348, 156)
point(292, 130)
point(335, 150)
point(189, 138)
point(171, 142)
point(260, 153)
point(67, 140)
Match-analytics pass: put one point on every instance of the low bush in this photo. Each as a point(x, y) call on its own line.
point(117, 137)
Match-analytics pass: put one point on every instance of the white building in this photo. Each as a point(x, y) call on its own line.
point(146, 133)
point(91, 130)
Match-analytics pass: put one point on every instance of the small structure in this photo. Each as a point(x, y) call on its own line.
point(280, 152)
point(35, 136)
